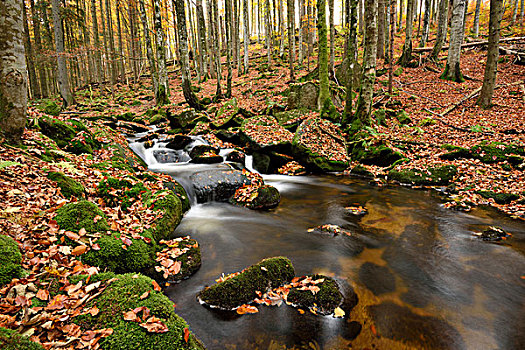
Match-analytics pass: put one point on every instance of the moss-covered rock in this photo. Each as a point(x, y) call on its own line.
point(12, 340)
point(324, 301)
point(499, 198)
point(456, 153)
point(403, 118)
point(180, 192)
point(361, 171)
point(183, 250)
point(242, 288)
point(123, 192)
point(123, 295)
point(10, 260)
point(495, 151)
point(380, 155)
point(57, 130)
point(50, 107)
point(68, 186)
point(265, 197)
point(217, 184)
point(264, 133)
point(227, 116)
point(112, 164)
point(437, 176)
point(82, 214)
point(171, 208)
point(205, 154)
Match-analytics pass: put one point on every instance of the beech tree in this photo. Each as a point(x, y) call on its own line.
point(441, 30)
point(406, 56)
point(452, 69)
point(291, 36)
point(162, 93)
point(13, 72)
point(351, 57)
point(491, 67)
point(324, 88)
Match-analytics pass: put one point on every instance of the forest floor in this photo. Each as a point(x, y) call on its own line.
point(31, 198)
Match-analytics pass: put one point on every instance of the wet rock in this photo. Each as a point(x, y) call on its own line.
point(401, 324)
point(200, 150)
point(218, 184)
point(148, 137)
point(178, 141)
point(351, 330)
point(319, 145)
point(433, 176)
point(241, 288)
point(378, 279)
point(230, 135)
point(186, 120)
point(330, 229)
point(166, 156)
point(380, 155)
point(261, 162)
point(264, 197)
point(499, 198)
point(236, 157)
point(205, 154)
point(494, 234)
point(179, 260)
point(360, 170)
point(318, 293)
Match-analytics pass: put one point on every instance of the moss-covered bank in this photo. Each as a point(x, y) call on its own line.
point(10, 260)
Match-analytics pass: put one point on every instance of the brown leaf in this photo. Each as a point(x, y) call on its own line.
point(130, 316)
point(42, 294)
point(144, 295)
point(79, 250)
point(156, 286)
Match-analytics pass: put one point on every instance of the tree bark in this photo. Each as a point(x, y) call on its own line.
point(149, 49)
point(30, 58)
point(97, 58)
point(13, 76)
point(246, 21)
point(491, 67)
point(218, 93)
point(162, 92)
point(406, 56)
point(268, 32)
point(332, 36)
point(364, 103)
point(63, 79)
point(476, 18)
point(391, 46)
point(291, 36)
point(40, 64)
point(203, 48)
point(426, 24)
point(452, 69)
point(324, 87)
point(441, 30)
point(112, 62)
point(351, 57)
point(228, 32)
point(381, 28)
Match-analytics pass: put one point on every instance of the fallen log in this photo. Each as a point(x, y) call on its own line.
point(473, 44)
point(519, 57)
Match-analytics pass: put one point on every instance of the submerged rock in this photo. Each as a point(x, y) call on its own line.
point(178, 141)
point(318, 293)
point(168, 156)
point(217, 184)
point(241, 288)
point(494, 234)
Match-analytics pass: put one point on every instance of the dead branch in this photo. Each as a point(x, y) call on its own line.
point(473, 44)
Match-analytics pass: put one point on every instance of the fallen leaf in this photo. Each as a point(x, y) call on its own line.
point(79, 250)
point(42, 294)
point(338, 312)
point(186, 334)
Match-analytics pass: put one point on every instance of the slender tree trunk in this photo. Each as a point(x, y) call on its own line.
point(291, 36)
point(452, 69)
point(364, 102)
point(268, 32)
point(30, 58)
point(324, 87)
point(237, 16)
point(218, 93)
point(105, 61)
point(522, 13)
point(246, 22)
point(40, 64)
point(362, 18)
point(135, 48)
point(491, 67)
point(281, 28)
point(301, 31)
point(98, 58)
point(441, 30)
point(228, 32)
point(163, 88)
point(401, 11)
point(332, 37)
point(63, 80)
point(381, 28)
point(189, 95)
point(426, 24)
point(121, 48)
point(13, 76)
point(149, 49)
point(201, 30)
point(352, 58)
point(406, 56)
point(476, 18)
point(391, 46)
point(211, 40)
point(50, 45)
point(515, 11)
point(113, 64)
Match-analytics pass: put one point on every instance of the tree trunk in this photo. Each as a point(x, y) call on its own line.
point(324, 87)
point(121, 48)
point(301, 31)
point(268, 32)
point(211, 41)
point(291, 36)
point(135, 48)
point(476, 18)
point(237, 16)
point(97, 58)
point(351, 57)
point(426, 24)
point(332, 37)
point(401, 11)
point(381, 28)
point(515, 11)
point(30, 58)
point(189, 95)
point(63, 80)
point(218, 93)
point(452, 69)
point(149, 49)
point(246, 21)
point(40, 64)
point(281, 28)
point(162, 92)
point(13, 78)
point(441, 30)
point(406, 56)
point(228, 32)
point(391, 46)
point(491, 67)
point(113, 64)
point(364, 103)
point(202, 40)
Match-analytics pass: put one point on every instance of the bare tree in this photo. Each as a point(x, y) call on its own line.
point(452, 69)
point(162, 92)
point(246, 20)
point(291, 36)
point(13, 76)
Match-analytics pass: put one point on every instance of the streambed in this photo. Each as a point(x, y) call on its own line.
point(422, 278)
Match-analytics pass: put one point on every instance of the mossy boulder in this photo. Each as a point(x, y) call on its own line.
point(190, 259)
point(265, 197)
point(433, 176)
point(57, 130)
point(12, 340)
point(217, 184)
point(68, 186)
point(178, 141)
point(186, 120)
point(123, 295)
point(10, 260)
point(227, 116)
point(137, 256)
point(242, 288)
point(456, 153)
point(319, 145)
point(110, 165)
point(180, 192)
point(360, 170)
point(291, 119)
point(263, 133)
point(380, 155)
point(205, 154)
point(499, 198)
point(303, 95)
point(82, 214)
point(123, 192)
point(341, 73)
point(403, 118)
point(496, 151)
point(170, 206)
point(324, 301)
point(51, 108)
point(236, 156)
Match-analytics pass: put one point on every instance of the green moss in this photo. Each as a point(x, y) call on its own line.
point(57, 130)
point(68, 186)
point(403, 118)
point(113, 164)
point(171, 207)
point(380, 155)
point(495, 152)
point(361, 171)
point(124, 295)
point(267, 197)
point(10, 260)
point(12, 340)
point(77, 215)
point(427, 122)
point(398, 72)
point(499, 198)
point(380, 117)
point(324, 301)
point(180, 192)
point(241, 289)
point(121, 192)
point(439, 176)
point(137, 257)
point(456, 153)
point(51, 108)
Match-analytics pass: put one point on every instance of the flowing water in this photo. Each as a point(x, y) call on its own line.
point(422, 278)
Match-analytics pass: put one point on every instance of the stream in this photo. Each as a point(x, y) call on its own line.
point(423, 279)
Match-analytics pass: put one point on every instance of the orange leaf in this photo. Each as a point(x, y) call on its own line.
point(94, 311)
point(79, 250)
point(42, 294)
point(130, 316)
point(72, 235)
point(186, 334)
point(247, 309)
point(156, 286)
point(145, 295)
